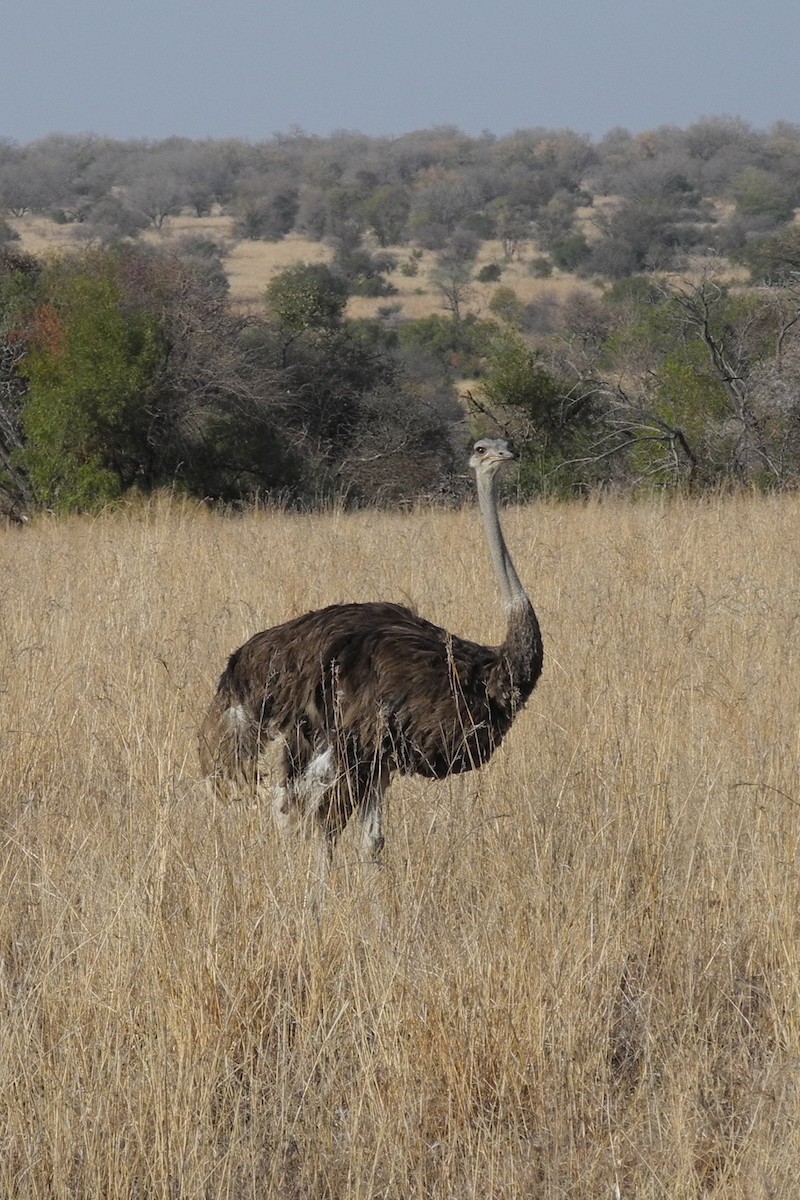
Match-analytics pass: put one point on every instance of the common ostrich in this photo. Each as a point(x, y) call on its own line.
point(355, 693)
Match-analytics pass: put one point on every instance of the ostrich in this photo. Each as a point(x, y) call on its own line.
point(355, 693)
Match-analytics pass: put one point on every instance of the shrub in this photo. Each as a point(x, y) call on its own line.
point(506, 304)
point(490, 273)
point(540, 268)
point(570, 251)
point(88, 370)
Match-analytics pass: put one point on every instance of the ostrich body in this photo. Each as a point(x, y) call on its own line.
point(355, 693)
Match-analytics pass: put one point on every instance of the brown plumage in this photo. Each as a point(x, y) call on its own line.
point(354, 693)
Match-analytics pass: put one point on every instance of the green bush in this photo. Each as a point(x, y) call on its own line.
point(461, 346)
point(306, 296)
point(540, 268)
point(88, 370)
point(570, 251)
point(506, 304)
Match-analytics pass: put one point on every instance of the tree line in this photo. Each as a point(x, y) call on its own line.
point(653, 196)
point(126, 368)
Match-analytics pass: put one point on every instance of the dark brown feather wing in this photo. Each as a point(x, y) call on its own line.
point(395, 687)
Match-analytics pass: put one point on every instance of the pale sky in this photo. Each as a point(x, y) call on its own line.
point(251, 68)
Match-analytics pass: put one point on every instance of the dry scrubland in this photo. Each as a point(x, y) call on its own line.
point(578, 973)
point(250, 265)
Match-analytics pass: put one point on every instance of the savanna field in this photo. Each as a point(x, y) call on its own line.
point(577, 975)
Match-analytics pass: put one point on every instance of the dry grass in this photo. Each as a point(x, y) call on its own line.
point(40, 235)
point(578, 974)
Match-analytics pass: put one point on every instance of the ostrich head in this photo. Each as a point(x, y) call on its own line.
point(490, 453)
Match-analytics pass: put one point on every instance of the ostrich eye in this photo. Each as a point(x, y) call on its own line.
point(480, 449)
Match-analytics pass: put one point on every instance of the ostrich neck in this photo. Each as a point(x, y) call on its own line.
point(522, 653)
point(514, 595)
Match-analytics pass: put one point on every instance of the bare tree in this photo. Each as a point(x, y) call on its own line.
point(157, 192)
point(453, 282)
point(693, 402)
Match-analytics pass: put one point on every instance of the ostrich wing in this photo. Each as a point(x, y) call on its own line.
point(399, 688)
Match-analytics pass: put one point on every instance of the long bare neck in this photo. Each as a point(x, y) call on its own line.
point(522, 652)
point(513, 593)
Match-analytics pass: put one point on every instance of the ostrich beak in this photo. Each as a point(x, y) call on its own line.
point(501, 454)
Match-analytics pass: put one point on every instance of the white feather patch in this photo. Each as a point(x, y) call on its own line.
point(321, 771)
point(236, 717)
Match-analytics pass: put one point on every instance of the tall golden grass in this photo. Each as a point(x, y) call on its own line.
point(577, 974)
